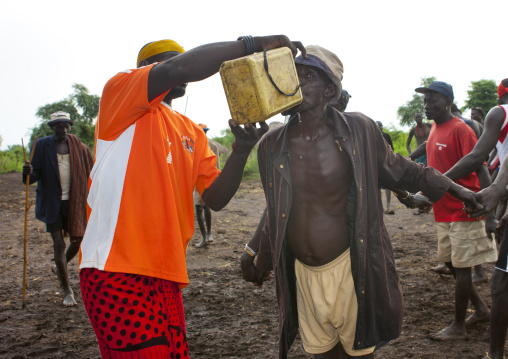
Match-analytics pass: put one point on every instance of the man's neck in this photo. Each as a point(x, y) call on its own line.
point(443, 119)
point(313, 124)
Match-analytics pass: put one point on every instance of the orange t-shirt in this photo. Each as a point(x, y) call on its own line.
point(149, 158)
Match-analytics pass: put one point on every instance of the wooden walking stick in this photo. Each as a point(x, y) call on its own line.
point(27, 207)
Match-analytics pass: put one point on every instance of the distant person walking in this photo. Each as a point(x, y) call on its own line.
point(61, 165)
point(388, 193)
point(200, 207)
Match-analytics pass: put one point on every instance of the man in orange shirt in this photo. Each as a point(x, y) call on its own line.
point(149, 158)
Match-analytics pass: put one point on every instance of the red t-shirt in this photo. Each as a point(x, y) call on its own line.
point(446, 145)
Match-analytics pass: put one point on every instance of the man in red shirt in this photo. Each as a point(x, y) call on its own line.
point(462, 241)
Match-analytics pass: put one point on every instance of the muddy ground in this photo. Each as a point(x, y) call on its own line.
point(226, 317)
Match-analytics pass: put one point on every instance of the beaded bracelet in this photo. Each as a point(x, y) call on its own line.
point(249, 44)
point(250, 251)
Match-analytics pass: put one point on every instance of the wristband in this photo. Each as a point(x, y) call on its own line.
point(249, 44)
point(250, 251)
point(408, 194)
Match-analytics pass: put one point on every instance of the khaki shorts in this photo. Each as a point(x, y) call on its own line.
point(465, 244)
point(327, 306)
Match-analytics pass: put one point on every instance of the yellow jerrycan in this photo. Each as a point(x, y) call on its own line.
point(261, 85)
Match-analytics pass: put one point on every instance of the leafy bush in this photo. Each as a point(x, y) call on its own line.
point(11, 160)
point(399, 139)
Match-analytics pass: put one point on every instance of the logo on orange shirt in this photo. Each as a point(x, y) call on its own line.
point(169, 158)
point(188, 143)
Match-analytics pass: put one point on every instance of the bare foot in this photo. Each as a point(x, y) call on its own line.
point(201, 244)
point(209, 238)
point(69, 300)
point(478, 317)
point(451, 333)
point(442, 269)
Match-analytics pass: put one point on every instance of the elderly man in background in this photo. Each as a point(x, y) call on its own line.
point(61, 165)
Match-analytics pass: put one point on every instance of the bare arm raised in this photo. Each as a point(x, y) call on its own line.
point(204, 61)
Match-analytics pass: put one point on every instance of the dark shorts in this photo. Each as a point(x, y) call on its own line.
point(502, 259)
point(61, 221)
point(134, 316)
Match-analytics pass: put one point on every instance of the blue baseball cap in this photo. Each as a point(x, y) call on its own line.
point(440, 87)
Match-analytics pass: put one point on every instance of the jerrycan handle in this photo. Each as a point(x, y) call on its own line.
point(265, 63)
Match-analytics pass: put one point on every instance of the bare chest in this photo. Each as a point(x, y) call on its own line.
point(319, 166)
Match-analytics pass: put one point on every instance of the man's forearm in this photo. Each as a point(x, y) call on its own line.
point(465, 166)
point(256, 238)
point(220, 192)
point(204, 61)
point(483, 177)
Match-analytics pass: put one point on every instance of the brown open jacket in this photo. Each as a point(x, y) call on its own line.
point(380, 303)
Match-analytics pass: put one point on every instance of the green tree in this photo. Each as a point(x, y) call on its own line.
point(11, 159)
point(406, 113)
point(226, 138)
point(483, 93)
point(399, 138)
point(83, 109)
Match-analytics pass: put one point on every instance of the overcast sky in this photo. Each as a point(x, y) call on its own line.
point(386, 48)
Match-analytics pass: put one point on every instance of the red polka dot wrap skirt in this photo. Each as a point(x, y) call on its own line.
point(134, 316)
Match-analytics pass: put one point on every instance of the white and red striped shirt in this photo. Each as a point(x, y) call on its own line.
point(502, 143)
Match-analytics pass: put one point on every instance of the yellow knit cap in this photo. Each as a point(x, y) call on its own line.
point(157, 47)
